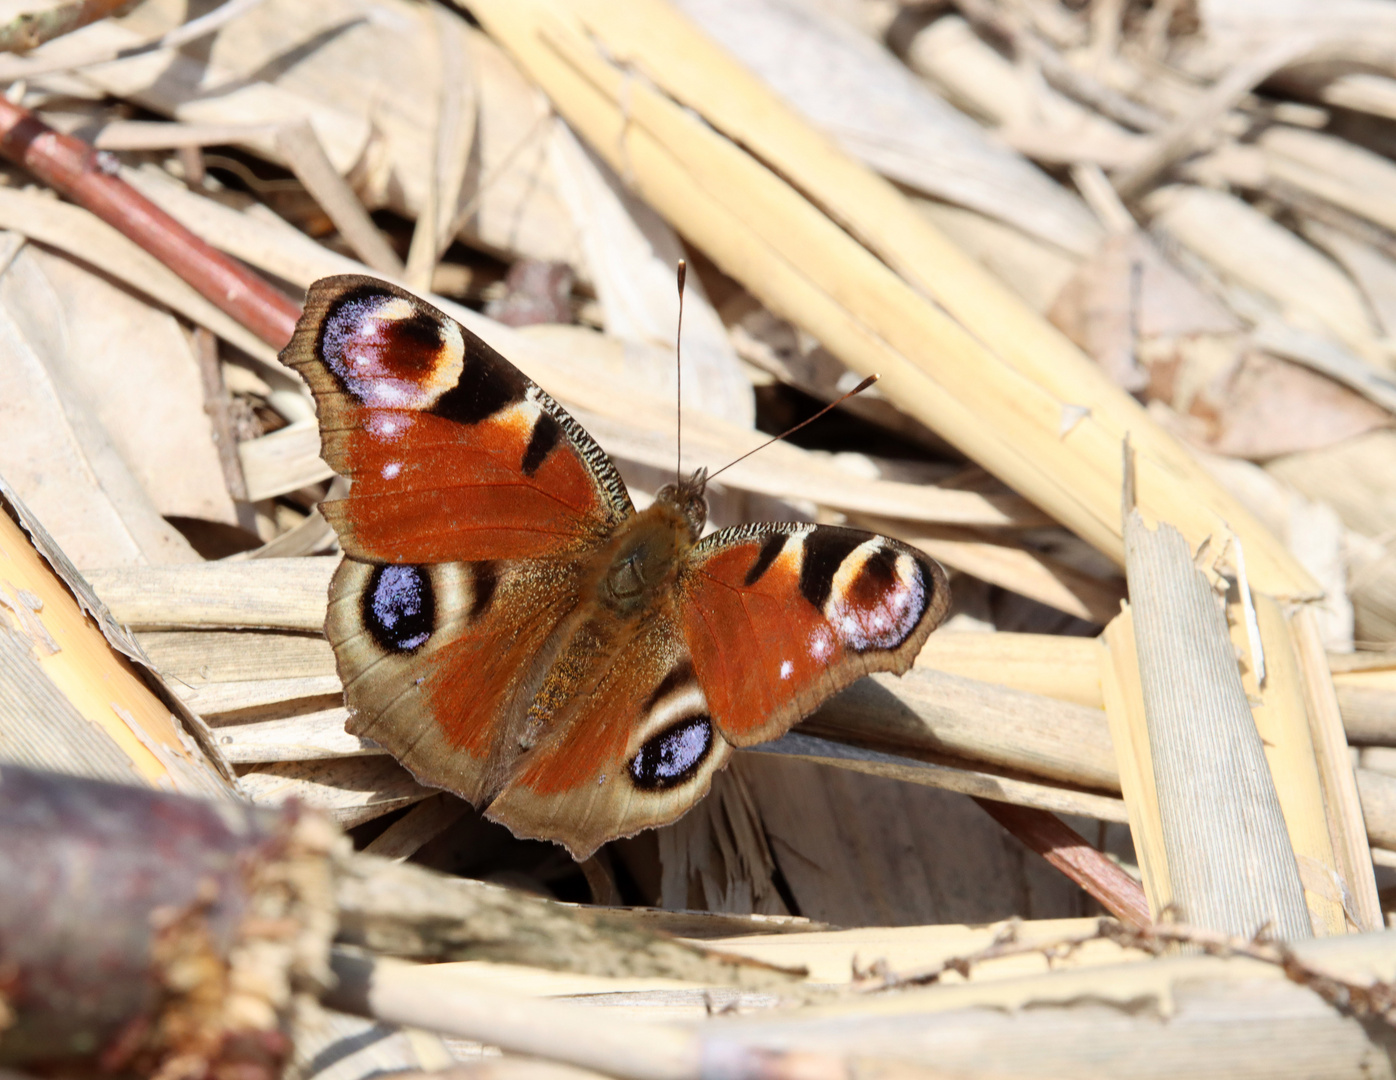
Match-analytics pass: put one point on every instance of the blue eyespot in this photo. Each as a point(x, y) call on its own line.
point(399, 607)
point(672, 756)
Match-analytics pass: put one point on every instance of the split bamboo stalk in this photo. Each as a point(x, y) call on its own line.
point(1229, 860)
point(954, 349)
point(1342, 804)
point(69, 699)
point(1282, 719)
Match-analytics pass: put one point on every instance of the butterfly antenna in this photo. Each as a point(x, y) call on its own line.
point(678, 377)
point(791, 431)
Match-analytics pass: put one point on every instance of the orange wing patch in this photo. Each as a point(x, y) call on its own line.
point(780, 618)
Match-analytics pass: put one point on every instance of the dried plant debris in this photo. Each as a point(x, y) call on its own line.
point(1051, 227)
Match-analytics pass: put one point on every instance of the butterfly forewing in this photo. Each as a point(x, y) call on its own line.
point(780, 617)
point(453, 452)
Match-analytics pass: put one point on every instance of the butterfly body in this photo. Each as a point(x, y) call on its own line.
point(510, 627)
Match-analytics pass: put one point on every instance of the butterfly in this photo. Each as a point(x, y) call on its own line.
point(511, 629)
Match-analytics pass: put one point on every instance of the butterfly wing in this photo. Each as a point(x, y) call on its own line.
point(765, 623)
point(474, 500)
point(455, 455)
point(440, 661)
point(635, 751)
point(780, 617)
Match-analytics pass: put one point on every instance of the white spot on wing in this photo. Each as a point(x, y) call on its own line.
point(787, 668)
point(391, 470)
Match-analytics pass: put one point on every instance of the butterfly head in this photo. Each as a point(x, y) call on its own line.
point(686, 496)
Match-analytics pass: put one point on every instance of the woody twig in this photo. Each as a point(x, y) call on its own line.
point(1066, 850)
point(88, 177)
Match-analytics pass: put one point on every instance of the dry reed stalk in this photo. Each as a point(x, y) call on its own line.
point(1230, 864)
point(1368, 712)
point(350, 791)
point(1378, 794)
point(1282, 1010)
point(976, 365)
point(838, 956)
point(288, 594)
point(949, 774)
point(1129, 733)
point(1342, 805)
point(1053, 665)
point(77, 171)
point(1281, 717)
point(938, 713)
point(393, 992)
point(406, 911)
point(1065, 668)
point(1242, 1007)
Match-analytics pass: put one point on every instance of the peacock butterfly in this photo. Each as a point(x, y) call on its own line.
point(511, 629)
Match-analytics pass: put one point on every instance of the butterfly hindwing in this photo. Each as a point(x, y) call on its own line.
point(454, 454)
point(636, 750)
point(439, 662)
point(780, 617)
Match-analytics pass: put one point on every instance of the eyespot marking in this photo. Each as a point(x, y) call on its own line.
point(399, 607)
point(679, 675)
point(673, 755)
point(389, 352)
point(878, 597)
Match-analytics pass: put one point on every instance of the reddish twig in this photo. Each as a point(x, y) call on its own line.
point(88, 177)
point(1068, 851)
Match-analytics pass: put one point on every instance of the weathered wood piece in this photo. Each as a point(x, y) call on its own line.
point(140, 928)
